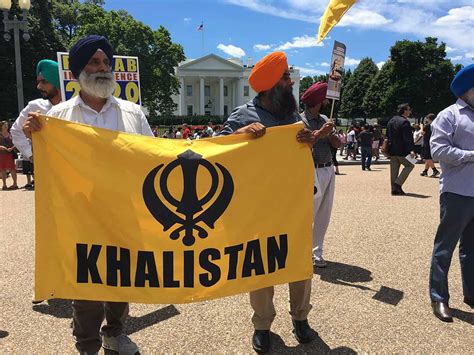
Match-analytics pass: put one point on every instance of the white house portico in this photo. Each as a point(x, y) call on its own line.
point(214, 86)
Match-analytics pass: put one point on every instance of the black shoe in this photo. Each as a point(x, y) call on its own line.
point(435, 174)
point(469, 302)
point(302, 331)
point(424, 173)
point(369, 169)
point(261, 341)
point(442, 311)
point(397, 190)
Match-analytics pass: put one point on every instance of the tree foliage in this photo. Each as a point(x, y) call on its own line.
point(56, 24)
point(356, 87)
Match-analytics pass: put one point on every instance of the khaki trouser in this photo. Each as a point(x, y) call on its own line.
point(264, 310)
point(88, 317)
point(395, 163)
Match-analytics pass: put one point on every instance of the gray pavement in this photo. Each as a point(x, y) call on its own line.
point(371, 298)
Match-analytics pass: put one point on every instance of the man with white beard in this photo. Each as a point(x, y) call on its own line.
point(90, 61)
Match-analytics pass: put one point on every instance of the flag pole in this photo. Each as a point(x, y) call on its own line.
point(202, 39)
point(332, 109)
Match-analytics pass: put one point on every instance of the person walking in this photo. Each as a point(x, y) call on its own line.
point(366, 138)
point(274, 105)
point(426, 150)
point(90, 60)
point(452, 143)
point(400, 145)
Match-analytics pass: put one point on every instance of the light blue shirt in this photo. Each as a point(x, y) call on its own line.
point(452, 143)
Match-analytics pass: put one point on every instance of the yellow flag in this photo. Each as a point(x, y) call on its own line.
point(123, 217)
point(333, 14)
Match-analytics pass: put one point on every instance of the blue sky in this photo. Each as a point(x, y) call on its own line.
point(253, 28)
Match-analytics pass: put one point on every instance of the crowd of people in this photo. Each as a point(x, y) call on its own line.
point(451, 137)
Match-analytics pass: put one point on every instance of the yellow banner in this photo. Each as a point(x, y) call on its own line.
point(123, 217)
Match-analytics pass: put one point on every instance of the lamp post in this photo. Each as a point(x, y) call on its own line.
point(16, 25)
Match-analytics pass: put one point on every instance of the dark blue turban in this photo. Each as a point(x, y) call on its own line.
point(84, 49)
point(463, 81)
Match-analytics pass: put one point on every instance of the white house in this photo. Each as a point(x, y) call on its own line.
point(212, 85)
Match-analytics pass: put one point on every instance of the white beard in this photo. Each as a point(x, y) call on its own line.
point(99, 84)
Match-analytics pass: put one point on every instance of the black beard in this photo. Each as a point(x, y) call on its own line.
point(47, 95)
point(282, 100)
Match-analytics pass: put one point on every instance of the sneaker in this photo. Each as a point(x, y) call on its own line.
point(435, 174)
point(319, 262)
point(121, 344)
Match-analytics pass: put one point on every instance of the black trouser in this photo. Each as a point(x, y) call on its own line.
point(88, 317)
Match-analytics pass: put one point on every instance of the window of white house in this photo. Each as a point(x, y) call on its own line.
point(226, 110)
point(207, 90)
point(225, 91)
point(190, 110)
point(189, 90)
point(246, 90)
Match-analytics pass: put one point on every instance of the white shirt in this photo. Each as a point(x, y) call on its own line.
point(351, 137)
point(117, 115)
point(20, 141)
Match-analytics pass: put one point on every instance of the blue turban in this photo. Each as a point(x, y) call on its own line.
point(463, 81)
point(49, 70)
point(84, 49)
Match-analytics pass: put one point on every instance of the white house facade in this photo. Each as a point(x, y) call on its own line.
point(212, 85)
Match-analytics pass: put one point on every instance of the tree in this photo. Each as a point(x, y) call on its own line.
point(56, 24)
point(43, 44)
point(421, 76)
point(375, 102)
point(356, 87)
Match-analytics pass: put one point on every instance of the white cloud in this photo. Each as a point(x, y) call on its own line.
point(380, 64)
point(469, 55)
point(449, 49)
point(363, 18)
point(231, 50)
point(457, 17)
point(310, 71)
point(187, 19)
point(456, 58)
point(301, 42)
point(325, 64)
point(261, 47)
point(450, 21)
point(350, 62)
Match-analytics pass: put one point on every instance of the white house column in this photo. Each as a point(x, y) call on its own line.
point(240, 92)
point(221, 96)
point(182, 93)
point(201, 96)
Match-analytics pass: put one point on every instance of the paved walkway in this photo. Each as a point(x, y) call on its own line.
point(371, 298)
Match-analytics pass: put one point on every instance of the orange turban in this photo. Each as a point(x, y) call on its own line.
point(268, 71)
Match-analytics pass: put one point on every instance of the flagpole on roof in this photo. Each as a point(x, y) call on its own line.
point(202, 38)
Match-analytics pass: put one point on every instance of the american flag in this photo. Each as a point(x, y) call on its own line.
point(200, 27)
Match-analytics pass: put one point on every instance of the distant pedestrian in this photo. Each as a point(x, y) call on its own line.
point(343, 138)
point(400, 141)
point(366, 139)
point(452, 143)
point(377, 131)
point(351, 141)
point(418, 139)
point(426, 150)
point(7, 163)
